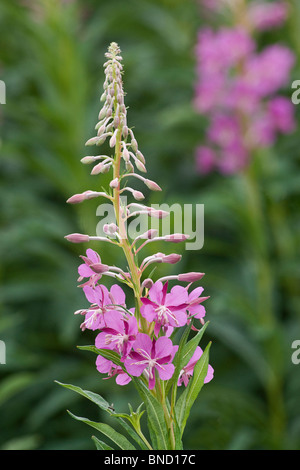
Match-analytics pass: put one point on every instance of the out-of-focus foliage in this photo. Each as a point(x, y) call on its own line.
point(52, 67)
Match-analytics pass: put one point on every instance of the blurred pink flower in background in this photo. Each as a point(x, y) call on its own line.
point(264, 16)
point(237, 89)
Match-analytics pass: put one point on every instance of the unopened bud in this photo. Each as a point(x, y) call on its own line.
point(110, 229)
point(138, 195)
point(147, 283)
point(152, 185)
point(101, 168)
point(140, 166)
point(125, 131)
point(99, 268)
point(77, 198)
point(190, 277)
point(125, 154)
point(158, 214)
point(134, 145)
point(87, 160)
point(172, 258)
point(152, 233)
point(93, 141)
point(176, 237)
point(77, 238)
point(114, 183)
point(129, 167)
point(140, 156)
point(113, 139)
point(97, 169)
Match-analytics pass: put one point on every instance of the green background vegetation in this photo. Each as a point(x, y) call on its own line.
point(51, 61)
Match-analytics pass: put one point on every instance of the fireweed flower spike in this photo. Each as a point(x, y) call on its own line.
point(237, 86)
point(136, 334)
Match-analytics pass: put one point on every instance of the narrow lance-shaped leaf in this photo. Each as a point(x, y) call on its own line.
point(188, 397)
point(108, 431)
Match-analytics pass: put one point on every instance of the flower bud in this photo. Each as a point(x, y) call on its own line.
point(140, 157)
point(158, 214)
point(77, 198)
point(129, 167)
point(140, 166)
point(134, 145)
point(99, 268)
point(152, 185)
point(114, 183)
point(176, 237)
point(87, 160)
point(97, 169)
point(110, 229)
point(172, 258)
point(77, 238)
point(147, 283)
point(190, 277)
point(138, 195)
point(125, 154)
point(93, 140)
point(113, 139)
point(152, 233)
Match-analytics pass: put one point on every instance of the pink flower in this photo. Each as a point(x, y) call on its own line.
point(196, 310)
point(187, 372)
point(264, 16)
point(268, 71)
point(205, 159)
point(281, 111)
point(224, 130)
point(102, 302)
point(118, 334)
point(84, 270)
point(165, 309)
point(150, 355)
point(108, 367)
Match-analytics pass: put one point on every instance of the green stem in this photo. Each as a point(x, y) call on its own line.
point(168, 416)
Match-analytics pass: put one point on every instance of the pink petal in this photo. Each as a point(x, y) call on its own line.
point(103, 365)
point(93, 256)
point(117, 295)
point(166, 371)
point(155, 293)
point(195, 293)
point(123, 378)
point(177, 296)
point(163, 347)
point(85, 271)
point(90, 294)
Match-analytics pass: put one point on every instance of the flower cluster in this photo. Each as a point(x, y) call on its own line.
point(142, 350)
point(141, 336)
point(237, 88)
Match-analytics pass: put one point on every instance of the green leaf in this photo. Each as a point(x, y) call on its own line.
point(156, 418)
point(108, 431)
point(104, 405)
point(184, 353)
point(106, 353)
point(188, 397)
point(100, 445)
point(94, 397)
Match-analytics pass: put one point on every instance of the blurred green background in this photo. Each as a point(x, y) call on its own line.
point(51, 61)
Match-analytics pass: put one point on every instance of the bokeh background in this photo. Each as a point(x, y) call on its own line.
point(51, 59)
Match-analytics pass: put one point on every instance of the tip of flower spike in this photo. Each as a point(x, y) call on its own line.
point(77, 238)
